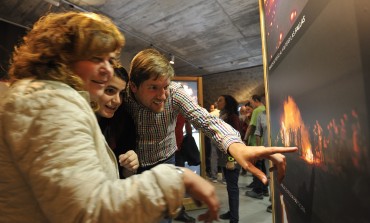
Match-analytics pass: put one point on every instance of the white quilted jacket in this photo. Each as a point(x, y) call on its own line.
point(55, 165)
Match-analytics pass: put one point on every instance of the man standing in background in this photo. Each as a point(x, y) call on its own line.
point(250, 139)
point(262, 139)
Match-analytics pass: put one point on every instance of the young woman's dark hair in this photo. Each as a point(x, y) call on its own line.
point(106, 123)
point(121, 73)
point(119, 131)
point(231, 109)
point(231, 105)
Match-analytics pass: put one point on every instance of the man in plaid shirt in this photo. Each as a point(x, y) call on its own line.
point(154, 102)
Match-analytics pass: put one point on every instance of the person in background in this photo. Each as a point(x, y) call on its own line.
point(258, 107)
point(242, 117)
point(154, 102)
point(179, 131)
point(207, 145)
point(118, 128)
point(262, 139)
point(261, 130)
point(245, 117)
point(246, 113)
point(55, 163)
point(250, 138)
point(213, 110)
point(180, 159)
point(214, 155)
point(229, 113)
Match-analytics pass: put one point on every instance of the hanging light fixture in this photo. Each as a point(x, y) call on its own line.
point(53, 2)
point(172, 61)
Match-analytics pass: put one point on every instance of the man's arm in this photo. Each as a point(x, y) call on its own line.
point(215, 128)
point(259, 131)
point(258, 140)
point(246, 155)
point(250, 131)
point(229, 139)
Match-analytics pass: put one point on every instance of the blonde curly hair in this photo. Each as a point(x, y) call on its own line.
point(57, 40)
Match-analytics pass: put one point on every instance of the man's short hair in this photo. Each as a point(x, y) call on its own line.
point(256, 98)
point(150, 63)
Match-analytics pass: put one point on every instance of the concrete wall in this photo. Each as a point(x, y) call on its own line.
point(241, 84)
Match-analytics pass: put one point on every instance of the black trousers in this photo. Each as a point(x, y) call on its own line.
point(259, 187)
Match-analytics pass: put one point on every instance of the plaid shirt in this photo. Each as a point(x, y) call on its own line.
point(156, 140)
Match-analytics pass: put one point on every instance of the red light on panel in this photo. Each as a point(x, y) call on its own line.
point(293, 15)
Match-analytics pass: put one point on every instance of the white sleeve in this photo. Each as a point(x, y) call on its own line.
point(54, 146)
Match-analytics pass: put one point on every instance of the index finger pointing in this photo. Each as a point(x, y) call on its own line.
point(273, 150)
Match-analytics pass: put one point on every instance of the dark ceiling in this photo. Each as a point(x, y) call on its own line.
point(205, 36)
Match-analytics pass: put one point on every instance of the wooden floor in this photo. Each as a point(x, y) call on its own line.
point(251, 210)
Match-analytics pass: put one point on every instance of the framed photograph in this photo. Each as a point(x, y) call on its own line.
point(317, 93)
point(194, 87)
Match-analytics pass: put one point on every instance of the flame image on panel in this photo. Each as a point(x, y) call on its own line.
point(293, 130)
point(340, 143)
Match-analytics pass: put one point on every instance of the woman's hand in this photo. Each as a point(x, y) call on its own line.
point(129, 161)
point(202, 192)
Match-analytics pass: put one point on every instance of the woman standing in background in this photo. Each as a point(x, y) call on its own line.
point(229, 113)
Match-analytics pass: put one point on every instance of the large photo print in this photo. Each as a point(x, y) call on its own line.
point(318, 102)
